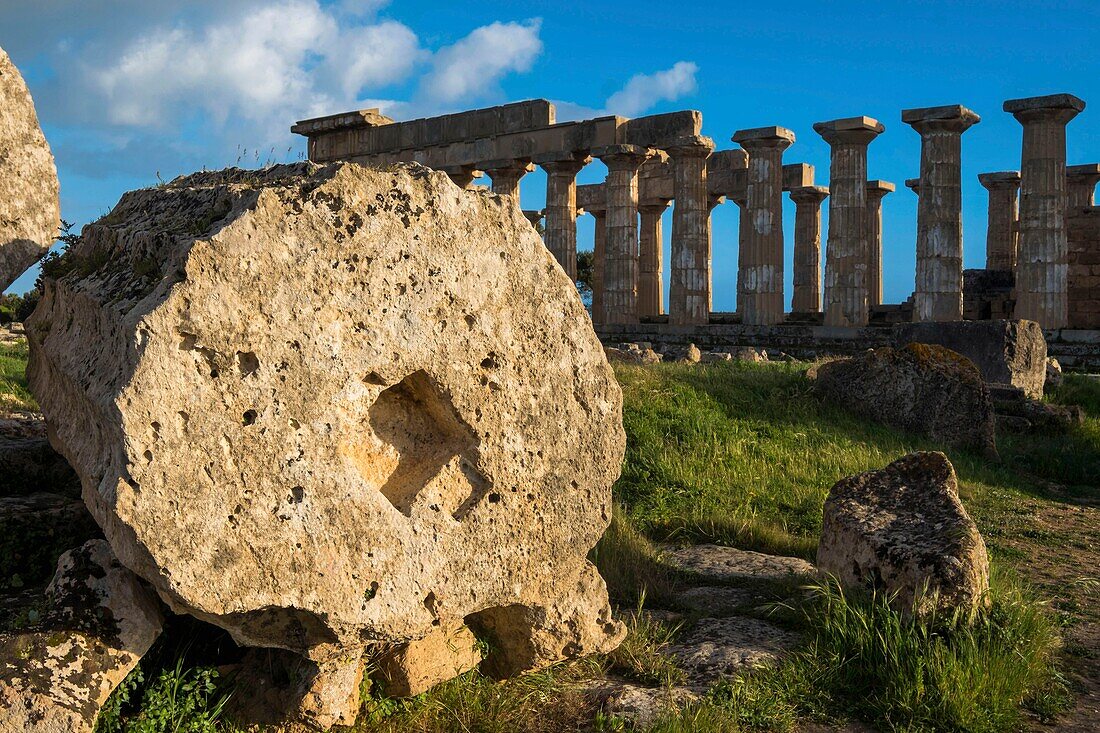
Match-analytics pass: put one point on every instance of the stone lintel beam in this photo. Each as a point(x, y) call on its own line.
point(727, 160)
point(1042, 257)
point(846, 295)
point(620, 274)
point(760, 266)
point(1081, 183)
point(1000, 237)
point(807, 248)
point(797, 175)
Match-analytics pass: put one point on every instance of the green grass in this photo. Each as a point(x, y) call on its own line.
point(14, 393)
point(866, 661)
point(744, 454)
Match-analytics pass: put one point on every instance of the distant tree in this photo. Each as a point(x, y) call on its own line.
point(585, 270)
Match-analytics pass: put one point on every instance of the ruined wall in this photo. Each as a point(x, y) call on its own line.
point(1083, 232)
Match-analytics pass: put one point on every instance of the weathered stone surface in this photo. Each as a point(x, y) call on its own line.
point(29, 208)
point(100, 620)
point(711, 357)
point(1053, 378)
point(726, 564)
point(725, 647)
point(414, 424)
point(1005, 352)
point(717, 600)
point(903, 530)
point(689, 354)
point(926, 389)
point(1019, 413)
point(643, 706)
point(748, 353)
point(424, 663)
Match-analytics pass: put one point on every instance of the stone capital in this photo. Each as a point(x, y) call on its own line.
point(913, 184)
point(809, 194)
point(622, 157)
point(557, 163)
point(877, 189)
point(690, 147)
point(946, 118)
point(507, 165)
point(714, 201)
point(756, 138)
point(1052, 107)
point(1083, 174)
point(849, 130)
point(653, 205)
point(1000, 180)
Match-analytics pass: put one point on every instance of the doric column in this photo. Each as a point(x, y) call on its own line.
point(712, 203)
point(1081, 183)
point(761, 302)
point(620, 302)
point(1042, 255)
point(846, 250)
point(650, 290)
point(876, 191)
point(938, 293)
point(1000, 236)
point(505, 175)
point(913, 184)
point(560, 234)
point(807, 248)
point(740, 199)
point(689, 286)
point(599, 253)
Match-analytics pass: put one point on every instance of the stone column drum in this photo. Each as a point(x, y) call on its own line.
point(1000, 237)
point(1081, 183)
point(846, 250)
point(1043, 251)
point(938, 293)
point(713, 202)
point(506, 174)
point(620, 286)
point(650, 290)
point(561, 210)
point(689, 286)
point(760, 302)
point(876, 191)
point(807, 248)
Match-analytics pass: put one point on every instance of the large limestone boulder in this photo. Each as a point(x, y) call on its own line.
point(921, 388)
point(327, 407)
point(903, 530)
point(98, 621)
point(1005, 352)
point(29, 208)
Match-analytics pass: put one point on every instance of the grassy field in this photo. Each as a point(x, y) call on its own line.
point(744, 455)
point(14, 394)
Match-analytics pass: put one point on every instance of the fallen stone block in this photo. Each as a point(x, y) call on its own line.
point(422, 664)
point(326, 408)
point(922, 388)
point(1005, 352)
point(902, 530)
point(30, 211)
point(99, 620)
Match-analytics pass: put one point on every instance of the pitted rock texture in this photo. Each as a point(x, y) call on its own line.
point(729, 647)
point(922, 388)
point(99, 621)
point(30, 211)
point(718, 563)
point(327, 407)
point(903, 530)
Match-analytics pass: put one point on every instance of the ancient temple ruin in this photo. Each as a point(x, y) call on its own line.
point(1042, 248)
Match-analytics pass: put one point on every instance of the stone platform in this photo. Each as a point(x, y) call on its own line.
point(1075, 349)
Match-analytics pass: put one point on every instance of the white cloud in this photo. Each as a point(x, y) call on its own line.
point(643, 91)
point(374, 56)
point(474, 65)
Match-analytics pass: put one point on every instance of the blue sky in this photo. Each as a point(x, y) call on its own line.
point(130, 89)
